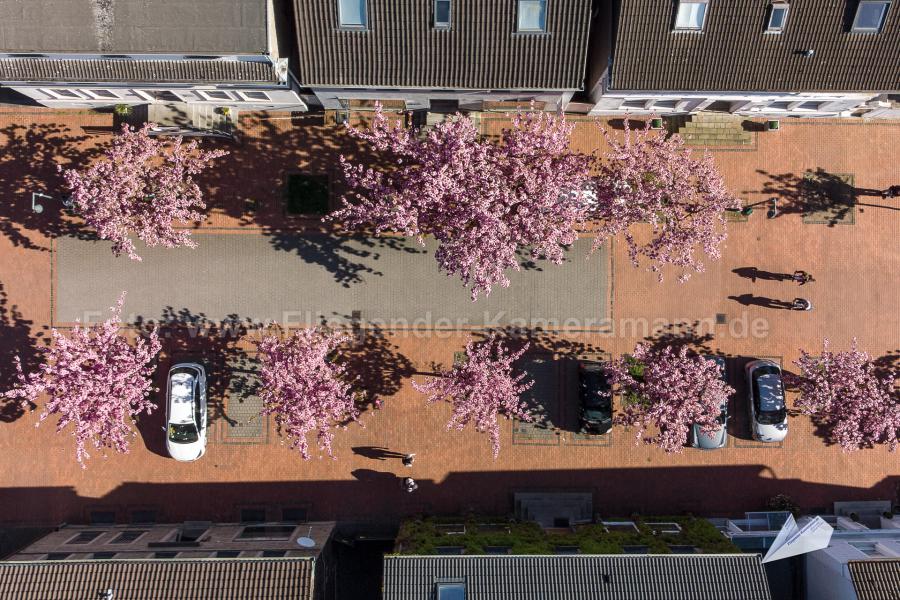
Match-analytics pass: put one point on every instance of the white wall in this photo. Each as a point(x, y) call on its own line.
point(330, 98)
point(98, 96)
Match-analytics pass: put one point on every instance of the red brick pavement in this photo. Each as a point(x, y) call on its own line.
point(855, 295)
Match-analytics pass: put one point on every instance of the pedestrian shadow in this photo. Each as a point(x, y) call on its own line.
point(372, 476)
point(751, 300)
point(377, 453)
point(753, 273)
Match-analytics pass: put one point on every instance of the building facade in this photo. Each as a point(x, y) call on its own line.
point(442, 54)
point(91, 54)
point(812, 58)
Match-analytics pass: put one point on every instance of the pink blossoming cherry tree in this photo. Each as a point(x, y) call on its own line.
point(304, 388)
point(842, 392)
point(668, 390)
point(95, 381)
point(141, 188)
point(484, 202)
point(650, 177)
point(481, 388)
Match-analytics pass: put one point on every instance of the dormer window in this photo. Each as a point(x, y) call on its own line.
point(691, 15)
point(442, 14)
point(870, 16)
point(778, 13)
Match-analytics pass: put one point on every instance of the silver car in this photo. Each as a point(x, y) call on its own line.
point(768, 413)
point(186, 412)
point(719, 437)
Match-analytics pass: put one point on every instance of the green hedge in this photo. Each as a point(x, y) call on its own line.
point(422, 536)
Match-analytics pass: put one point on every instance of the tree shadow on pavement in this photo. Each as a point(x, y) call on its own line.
point(375, 364)
point(187, 336)
point(829, 197)
point(348, 259)
point(28, 164)
point(15, 340)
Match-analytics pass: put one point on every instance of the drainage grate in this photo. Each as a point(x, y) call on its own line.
point(721, 319)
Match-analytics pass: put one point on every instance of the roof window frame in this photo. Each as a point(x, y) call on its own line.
point(775, 6)
point(443, 25)
point(885, 4)
point(704, 17)
point(535, 30)
point(364, 26)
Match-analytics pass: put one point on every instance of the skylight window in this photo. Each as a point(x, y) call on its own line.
point(451, 591)
point(870, 15)
point(353, 14)
point(442, 14)
point(777, 18)
point(691, 15)
point(532, 15)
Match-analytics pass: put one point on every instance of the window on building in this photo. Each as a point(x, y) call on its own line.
point(352, 14)
point(532, 15)
point(777, 18)
point(65, 94)
point(165, 554)
point(143, 516)
point(85, 537)
point(255, 96)
point(215, 95)
point(810, 106)
point(58, 556)
point(103, 94)
point(274, 553)
point(103, 555)
point(128, 536)
point(294, 513)
point(266, 532)
point(253, 515)
point(228, 553)
point(691, 15)
point(442, 14)
point(450, 591)
point(870, 15)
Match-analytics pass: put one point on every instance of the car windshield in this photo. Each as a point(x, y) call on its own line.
point(183, 433)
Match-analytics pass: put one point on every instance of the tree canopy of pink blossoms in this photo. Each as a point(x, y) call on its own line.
point(842, 392)
point(484, 202)
point(669, 391)
point(96, 381)
point(481, 388)
point(304, 388)
point(141, 188)
point(650, 177)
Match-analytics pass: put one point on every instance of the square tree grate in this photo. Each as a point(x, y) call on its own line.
point(306, 194)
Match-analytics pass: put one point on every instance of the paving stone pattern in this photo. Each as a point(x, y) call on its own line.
point(304, 279)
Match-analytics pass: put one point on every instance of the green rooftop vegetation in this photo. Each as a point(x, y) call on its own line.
point(477, 535)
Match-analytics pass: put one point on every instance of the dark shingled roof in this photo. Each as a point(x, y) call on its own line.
point(153, 71)
point(877, 579)
point(134, 26)
point(734, 54)
point(481, 50)
point(587, 577)
point(163, 579)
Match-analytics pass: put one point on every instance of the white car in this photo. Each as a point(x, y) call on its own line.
point(186, 412)
point(768, 414)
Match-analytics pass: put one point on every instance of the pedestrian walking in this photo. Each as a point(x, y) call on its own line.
point(410, 485)
point(801, 304)
point(408, 460)
point(802, 277)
